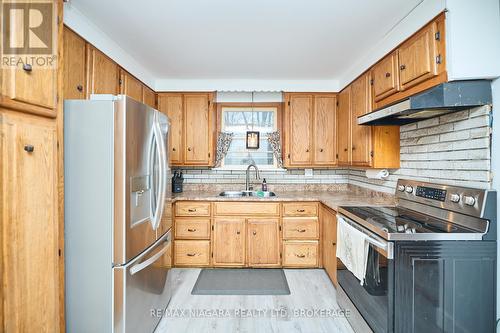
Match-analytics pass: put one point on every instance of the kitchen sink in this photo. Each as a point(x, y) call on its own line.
point(239, 194)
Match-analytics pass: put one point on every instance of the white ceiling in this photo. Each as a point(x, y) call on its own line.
point(246, 39)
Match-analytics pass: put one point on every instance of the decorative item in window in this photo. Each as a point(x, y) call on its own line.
point(253, 139)
point(223, 144)
point(275, 142)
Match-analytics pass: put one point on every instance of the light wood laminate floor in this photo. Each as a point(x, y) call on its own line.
point(311, 289)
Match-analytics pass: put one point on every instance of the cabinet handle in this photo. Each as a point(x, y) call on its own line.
point(191, 254)
point(321, 150)
point(238, 232)
point(300, 255)
point(387, 74)
point(307, 150)
point(254, 233)
point(301, 210)
point(173, 148)
point(333, 243)
point(353, 148)
point(192, 210)
point(189, 148)
point(191, 230)
point(27, 67)
point(29, 148)
point(79, 88)
point(345, 149)
point(402, 67)
point(301, 230)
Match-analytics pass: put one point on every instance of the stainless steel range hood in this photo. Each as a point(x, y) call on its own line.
point(442, 99)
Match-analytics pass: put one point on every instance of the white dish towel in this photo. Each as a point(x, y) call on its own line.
point(352, 248)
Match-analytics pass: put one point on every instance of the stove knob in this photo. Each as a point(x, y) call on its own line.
point(401, 188)
point(409, 189)
point(455, 197)
point(469, 201)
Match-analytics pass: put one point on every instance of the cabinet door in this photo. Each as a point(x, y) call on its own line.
point(74, 83)
point(344, 127)
point(385, 76)
point(102, 73)
point(197, 129)
point(360, 134)
point(330, 243)
point(417, 57)
point(299, 118)
point(29, 229)
point(263, 242)
point(130, 86)
point(325, 146)
point(171, 105)
point(148, 97)
point(229, 242)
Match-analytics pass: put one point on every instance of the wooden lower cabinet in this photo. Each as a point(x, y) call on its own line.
point(263, 242)
point(300, 254)
point(30, 250)
point(229, 242)
point(329, 243)
point(192, 253)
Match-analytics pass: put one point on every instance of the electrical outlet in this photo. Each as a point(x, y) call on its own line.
point(308, 173)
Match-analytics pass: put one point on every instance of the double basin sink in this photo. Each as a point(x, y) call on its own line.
point(240, 194)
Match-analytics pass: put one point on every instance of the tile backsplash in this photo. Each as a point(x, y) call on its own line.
point(452, 149)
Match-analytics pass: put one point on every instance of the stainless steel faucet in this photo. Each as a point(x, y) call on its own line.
point(248, 186)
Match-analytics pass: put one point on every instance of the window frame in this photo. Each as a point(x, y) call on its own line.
point(279, 120)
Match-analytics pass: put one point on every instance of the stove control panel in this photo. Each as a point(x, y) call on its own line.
point(464, 200)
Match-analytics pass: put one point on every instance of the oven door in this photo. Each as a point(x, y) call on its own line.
point(370, 304)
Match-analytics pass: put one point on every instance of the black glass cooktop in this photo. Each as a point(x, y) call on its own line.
point(397, 220)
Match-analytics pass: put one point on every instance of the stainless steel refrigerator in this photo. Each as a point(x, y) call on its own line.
point(117, 214)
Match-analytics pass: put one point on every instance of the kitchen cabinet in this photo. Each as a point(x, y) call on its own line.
point(300, 254)
point(360, 145)
point(344, 127)
point(385, 77)
point(102, 73)
point(229, 241)
point(74, 79)
point(30, 253)
point(130, 86)
point(263, 242)
point(310, 125)
point(192, 127)
point(329, 242)
point(192, 253)
point(148, 97)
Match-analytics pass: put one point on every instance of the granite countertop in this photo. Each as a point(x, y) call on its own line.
point(332, 199)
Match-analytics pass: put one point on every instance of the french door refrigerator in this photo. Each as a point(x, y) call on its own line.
point(117, 214)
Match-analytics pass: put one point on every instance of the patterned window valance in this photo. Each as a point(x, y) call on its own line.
point(223, 144)
point(275, 142)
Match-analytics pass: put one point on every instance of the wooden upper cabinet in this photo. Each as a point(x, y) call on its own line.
point(130, 86)
point(102, 73)
point(172, 106)
point(325, 145)
point(148, 97)
point(417, 57)
point(263, 242)
point(197, 129)
point(74, 78)
point(29, 232)
point(385, 77)
point(299, 116)
point(229, 242)
point(360, 134)
point(344, 127)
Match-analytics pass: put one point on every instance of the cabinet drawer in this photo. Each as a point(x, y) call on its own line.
point(247, 208)
point(300, 209)
point(188, 208)
point(300, 228)
point(300, 254)
point(192, 253)
point(192, 228)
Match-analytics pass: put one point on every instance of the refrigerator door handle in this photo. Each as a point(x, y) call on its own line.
point(162, 179)
point(148, 262)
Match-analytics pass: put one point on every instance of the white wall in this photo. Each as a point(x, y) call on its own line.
point(74, 19)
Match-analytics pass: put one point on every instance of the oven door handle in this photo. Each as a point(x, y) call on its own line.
point(387, 247)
